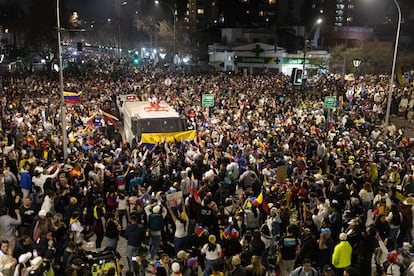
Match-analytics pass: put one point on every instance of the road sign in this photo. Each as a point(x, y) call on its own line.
point(207, 100)
point(330, 101)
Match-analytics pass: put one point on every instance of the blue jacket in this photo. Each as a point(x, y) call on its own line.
point(137, 181)
point(134, 234)
point(25, 180)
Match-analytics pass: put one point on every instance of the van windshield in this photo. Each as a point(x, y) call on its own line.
point(159, 125)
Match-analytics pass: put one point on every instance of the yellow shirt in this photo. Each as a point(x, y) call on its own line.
point(341, 256)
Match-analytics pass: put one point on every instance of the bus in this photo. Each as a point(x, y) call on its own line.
point(150, 117)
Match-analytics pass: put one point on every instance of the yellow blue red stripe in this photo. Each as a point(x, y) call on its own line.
point(110, 118)
point(72, 97)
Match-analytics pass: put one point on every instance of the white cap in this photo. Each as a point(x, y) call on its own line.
point(175, 267)
point(24, 258)
point(36, 263)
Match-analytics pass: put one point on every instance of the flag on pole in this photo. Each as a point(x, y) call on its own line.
point(110, 118)
point(193, 188)
point(72, 97)
point(261, 199)
point(90, 120)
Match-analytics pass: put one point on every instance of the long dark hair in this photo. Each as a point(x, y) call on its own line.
point(211, 246)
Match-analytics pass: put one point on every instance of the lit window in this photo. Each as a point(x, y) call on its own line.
point(272, 2)
point(213, 4)
point(200, 11)
point(261, 13)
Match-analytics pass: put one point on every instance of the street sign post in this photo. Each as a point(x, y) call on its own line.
point(207, 100)
point(330, 101)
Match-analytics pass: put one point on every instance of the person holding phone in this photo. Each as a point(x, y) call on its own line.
point(139, 265)
point(180, 219)
point(133, 234)
point(113, 228)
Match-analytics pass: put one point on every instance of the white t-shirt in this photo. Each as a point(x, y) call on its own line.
point(211, 255)
point(394, 270)
point(122, 203)
point(181, 229)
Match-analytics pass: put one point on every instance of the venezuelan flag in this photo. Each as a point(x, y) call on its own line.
point(110, 118)
point(349, 77)
point(155, 138)
point(90, 120)
point(72, 97)
point(261, 199)
point(193, 188)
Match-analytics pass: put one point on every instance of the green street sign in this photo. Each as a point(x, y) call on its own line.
point(330, 101)
point(207, 100)
point(294, 61)
point(260, 60)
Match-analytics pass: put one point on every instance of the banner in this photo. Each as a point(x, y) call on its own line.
point(155, 138)
point(174, 198)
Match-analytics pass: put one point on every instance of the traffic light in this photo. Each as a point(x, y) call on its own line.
point(136, 60)
point(235, 60)
point(297, 77)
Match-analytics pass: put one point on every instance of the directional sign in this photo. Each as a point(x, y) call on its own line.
point(207, 100)
point(330, 101)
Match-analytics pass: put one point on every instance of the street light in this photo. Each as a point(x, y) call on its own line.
point(356, 62)
point(391, 88)
point(317, 22)
point(62, 98)
point(173, 14)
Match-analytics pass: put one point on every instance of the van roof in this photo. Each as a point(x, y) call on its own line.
point(143, 110)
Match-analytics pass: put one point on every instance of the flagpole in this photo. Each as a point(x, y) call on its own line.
point(62, 98)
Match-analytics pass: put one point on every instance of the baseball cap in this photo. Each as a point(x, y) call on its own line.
point(182, 255)
point(192, 261)
point(235, 260)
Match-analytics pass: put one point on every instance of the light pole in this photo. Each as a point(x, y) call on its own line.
point(62, 98)
point(157, 2)
point(357, 63)
point(391, 88)
point(317, 22)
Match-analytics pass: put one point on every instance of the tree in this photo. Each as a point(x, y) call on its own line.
point(374, 60)
point(147, 25)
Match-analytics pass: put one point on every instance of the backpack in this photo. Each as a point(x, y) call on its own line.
point(403, 270)
point(156, 222)
point(396, 218)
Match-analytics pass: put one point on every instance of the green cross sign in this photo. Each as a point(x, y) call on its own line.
point(257, 50)
point(277, 60)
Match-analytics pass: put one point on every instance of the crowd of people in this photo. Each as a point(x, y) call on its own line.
point(273, 183)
